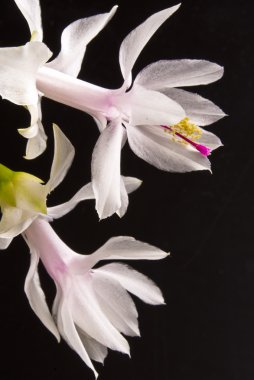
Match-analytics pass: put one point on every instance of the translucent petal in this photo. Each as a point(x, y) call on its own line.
point(63, 156)
point(74, 40)
point(86, 192)
point(14, 221)
point(133, 44)
point(89, 316)
point(106, 170)
point(68, 330)
point(95, 350)
point(135, 282)
point(36, 296)
point(201, 111)
point(32, 12)
point(210, 140)
point(127, 248)
point(153, 145)
point(5, 242)
point(153, 108)
point(116, 303)
point(18, 72)
point(179, 73)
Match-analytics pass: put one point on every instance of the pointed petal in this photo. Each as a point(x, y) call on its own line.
point(116, 303)
point(210, 140)
point(68, 330)
point(179, 73)
point(86, 192)
point(14, 221)
point(127, 248)
point(131, 183)
point(31, 10)
point(153, 108)
point(63, 156)
point(135, 282)
point(36, 296)
point(74, 40)
point(5, 242)
point(133, 44)
point(95, 350)
point(199, 110)
point(106, 170)
point(90, 317)
point(158, 148)
point(18, 72)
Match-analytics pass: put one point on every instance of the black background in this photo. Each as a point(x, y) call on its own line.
point(206, 331)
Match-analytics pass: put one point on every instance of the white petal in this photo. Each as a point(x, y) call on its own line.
point(74, 40)
point(32, 12)
point(36, 296)
point(133, 44)
point(124, 199)
point(153, 108)
point(158, 148)
point(179, 73)
point(19, 66)
point(116, 303)
point(135, 282)
point(127, 248)
point(37, 139)
point(89, 316)
point(68, 331)
point(86, 192)
point(63, 156)
point(210, 140)
point(95, 350)
point(106, 170)
point(14, 221)
point(131, 183)
point(5, 242)
point(201, 111)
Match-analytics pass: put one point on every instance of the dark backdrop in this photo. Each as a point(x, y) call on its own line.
point(206, 331)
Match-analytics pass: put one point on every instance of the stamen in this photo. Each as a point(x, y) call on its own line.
point(187, 132)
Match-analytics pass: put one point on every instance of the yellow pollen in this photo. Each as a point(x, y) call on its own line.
point(186, 129)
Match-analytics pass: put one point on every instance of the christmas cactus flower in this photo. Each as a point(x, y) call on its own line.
point(142, 111)
point(19, 65)
point(92, 306)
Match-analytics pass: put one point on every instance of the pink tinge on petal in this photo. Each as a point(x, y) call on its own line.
point(204, 150)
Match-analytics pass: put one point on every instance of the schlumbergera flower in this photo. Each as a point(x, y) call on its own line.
point(19, 65)
point(92, 306)
point(140, 111)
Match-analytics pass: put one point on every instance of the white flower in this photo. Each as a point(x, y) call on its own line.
point(142, 111)
point(92, 307)
point(19, 65)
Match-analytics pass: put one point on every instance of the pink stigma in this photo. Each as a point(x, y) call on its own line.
point(204, 150)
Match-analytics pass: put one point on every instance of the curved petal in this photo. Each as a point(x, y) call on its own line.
point(86, 192)
point(116, 303)
point(133, 44)
point(135, 282)
point(36, 296)
point(19, 66)
point(31, 10)
point(74, 40)
point(179, 73)
point(106, 170)
point(89, 316)
point(5, 242)
point(210, 140)
point(63, 156)
point(201, 111)
point(14, 221)
point(127, 248)
point(68, 330)
point(153, 145)
point(127, 186)
point(37, 139)
point(153, 108)
point(95, 350)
